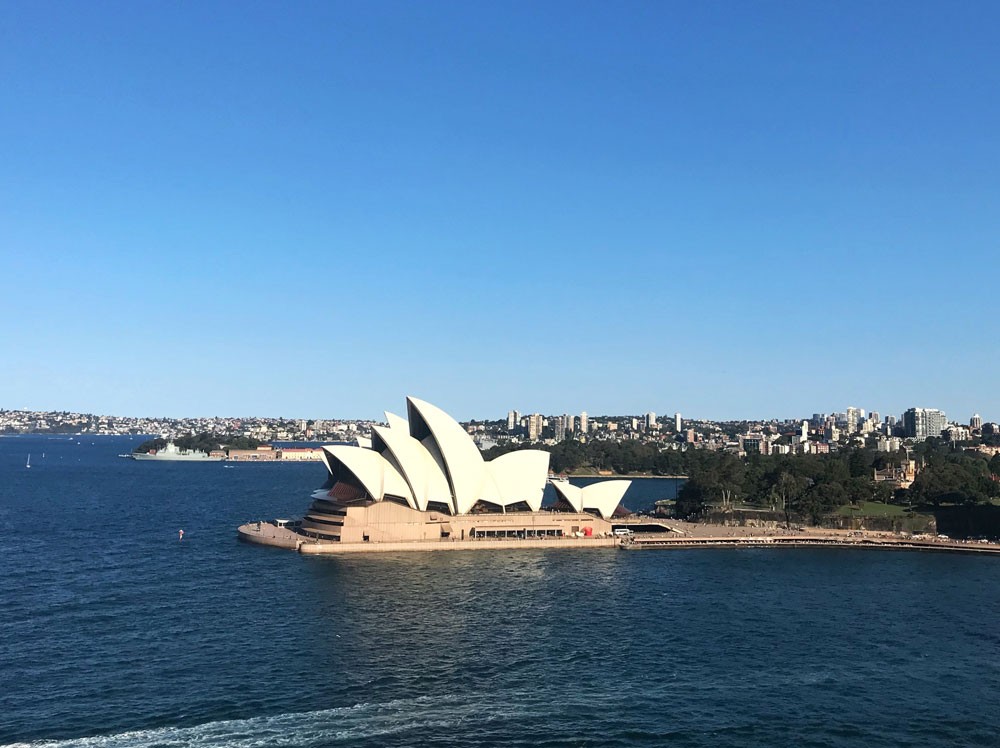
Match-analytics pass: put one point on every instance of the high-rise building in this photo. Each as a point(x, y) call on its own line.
point(570, 423)
point(650, 420)
point(854, 416)
point(975, 423)
point(804, 432)
point(559, 427)
point(511, 419)
point(677, 422)
point(635, 424)
point(754, 444)
point(583, 422)
point(534, 427)
point(954, 433)
point(920, 423)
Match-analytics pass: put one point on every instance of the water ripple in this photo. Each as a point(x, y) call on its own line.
point(112, 633)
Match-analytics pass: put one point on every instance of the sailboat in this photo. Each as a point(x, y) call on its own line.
point(28, 465)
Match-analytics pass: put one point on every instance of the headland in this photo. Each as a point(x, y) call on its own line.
point(563, 531)
point(421, 483)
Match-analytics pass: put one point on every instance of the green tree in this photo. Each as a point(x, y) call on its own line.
point(995, 464)
point(787, 491)
point(821, 499)
point(693, 497)
point(729, 480)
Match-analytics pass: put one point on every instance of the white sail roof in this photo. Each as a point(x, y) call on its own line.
point(571, 494)
point(462, 460)
point(396, 422)
point(376, 474)
point(418, 467)
point(430, 458)
point(520, 476)
point(603, 497)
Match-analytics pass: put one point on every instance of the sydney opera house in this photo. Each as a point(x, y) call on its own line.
point(423, 478)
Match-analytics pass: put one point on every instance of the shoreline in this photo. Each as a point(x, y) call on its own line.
point(891, 544)
point(626, 476)
point(269, 534)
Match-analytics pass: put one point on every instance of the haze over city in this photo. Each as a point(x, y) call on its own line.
point(729, 210)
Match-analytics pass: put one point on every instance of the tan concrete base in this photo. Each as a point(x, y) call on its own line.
point(389, 522)
point(266, 533)
point(456, 545)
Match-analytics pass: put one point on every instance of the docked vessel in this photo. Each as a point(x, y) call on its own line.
point(171, 452)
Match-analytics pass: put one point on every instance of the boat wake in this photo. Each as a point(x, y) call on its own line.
point(345, 725)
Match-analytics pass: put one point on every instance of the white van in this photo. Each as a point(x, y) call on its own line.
point(622, 532)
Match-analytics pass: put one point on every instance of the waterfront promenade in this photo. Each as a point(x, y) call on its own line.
point(676, 535)
point(700, 535)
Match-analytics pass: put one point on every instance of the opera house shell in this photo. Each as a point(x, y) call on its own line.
point(423, 478)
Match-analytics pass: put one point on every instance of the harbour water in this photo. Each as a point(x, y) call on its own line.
point(642, 495)
point(114, 633)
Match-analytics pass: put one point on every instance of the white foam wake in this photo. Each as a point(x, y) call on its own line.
point(305, 729)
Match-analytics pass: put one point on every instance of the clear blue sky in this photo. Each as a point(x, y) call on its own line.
point(314, 209)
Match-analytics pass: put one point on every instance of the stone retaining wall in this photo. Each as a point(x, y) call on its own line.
point(456, 545)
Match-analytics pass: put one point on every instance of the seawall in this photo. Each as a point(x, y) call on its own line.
point(817, 541)
point(265, 533)
point(455, 545)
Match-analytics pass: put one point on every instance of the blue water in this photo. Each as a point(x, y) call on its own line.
point(642, 495)
point(113, 633)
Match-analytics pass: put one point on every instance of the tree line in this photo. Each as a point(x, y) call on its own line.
point(624, 458)
point(807, 485)
point(203, 442)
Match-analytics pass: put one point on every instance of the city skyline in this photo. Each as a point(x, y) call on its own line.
point(568, 423)
point(722, 210)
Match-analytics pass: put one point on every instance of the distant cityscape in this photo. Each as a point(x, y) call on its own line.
point(819, 434)
point(262, 429)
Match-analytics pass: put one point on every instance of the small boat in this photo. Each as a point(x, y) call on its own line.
point(28, 464)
